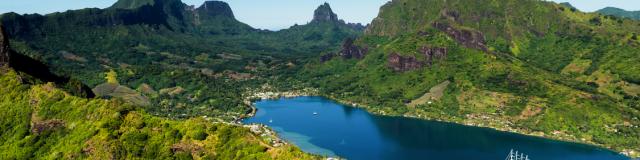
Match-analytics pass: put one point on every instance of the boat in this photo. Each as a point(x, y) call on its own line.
point(516, 156)
point(271, 121)
point(315, 113)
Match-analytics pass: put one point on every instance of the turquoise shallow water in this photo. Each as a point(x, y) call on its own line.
point(352, 133)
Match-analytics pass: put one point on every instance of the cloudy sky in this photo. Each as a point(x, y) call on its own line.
point(276, 14)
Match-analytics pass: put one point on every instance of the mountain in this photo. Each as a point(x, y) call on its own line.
point(142, 45)
point(37, 72)
point(176, 60)
point(324, 14)
point(132, 4)
point(568, 5)
point(41, 121)
point(620, 13)
point(215, 8)
point(526, 66)
point(173, 15)
point(325, 30)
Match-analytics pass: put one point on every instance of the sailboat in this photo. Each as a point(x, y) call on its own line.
point(517, 156)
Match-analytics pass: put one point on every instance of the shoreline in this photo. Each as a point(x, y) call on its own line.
point(467, 122)
point(563, 137)
point(255, 96)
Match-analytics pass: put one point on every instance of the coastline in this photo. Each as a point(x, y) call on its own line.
point(483, 123)
point(264, 130)
point(472, 121)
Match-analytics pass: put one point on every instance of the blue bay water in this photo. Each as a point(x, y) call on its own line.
point(353, 133)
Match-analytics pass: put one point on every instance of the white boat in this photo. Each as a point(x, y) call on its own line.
point(271, 121)
point(517, 156)
point(315, 113)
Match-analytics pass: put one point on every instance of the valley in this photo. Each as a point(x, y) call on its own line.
point(162, 79)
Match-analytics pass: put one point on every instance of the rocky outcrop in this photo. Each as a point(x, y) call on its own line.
point(350, 50)
point(324, 14)
point(468, 38)
point(4, 48)
point(399, 63)
point(215, 8)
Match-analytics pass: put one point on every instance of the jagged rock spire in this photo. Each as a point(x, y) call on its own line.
point(324, 14)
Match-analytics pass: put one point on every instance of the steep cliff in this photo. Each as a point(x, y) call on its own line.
point(4, 48)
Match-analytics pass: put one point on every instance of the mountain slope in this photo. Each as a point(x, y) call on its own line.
point(325, 31)
point(568, 5)
point(518, 65)
point(620, 13)
point(186, 61)
point(40, 121)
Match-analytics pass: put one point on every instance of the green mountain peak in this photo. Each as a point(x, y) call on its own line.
point(613, 11)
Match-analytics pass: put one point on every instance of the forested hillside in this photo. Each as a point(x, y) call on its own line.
point(526, 66)
point(40, 121)
point(620, 13)
point(176, 60)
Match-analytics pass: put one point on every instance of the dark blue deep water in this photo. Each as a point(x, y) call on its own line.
point(352, 133)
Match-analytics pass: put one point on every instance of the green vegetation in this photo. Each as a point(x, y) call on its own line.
point(525, 66)
point(43, 122)
point(164, 45)
point(620, 13)
point(547, 70)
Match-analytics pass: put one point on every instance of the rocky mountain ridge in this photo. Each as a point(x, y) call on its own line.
point(324, 13)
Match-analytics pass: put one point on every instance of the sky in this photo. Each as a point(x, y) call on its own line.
point(276, 14)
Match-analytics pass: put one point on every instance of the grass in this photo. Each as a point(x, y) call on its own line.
point(434, 94)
